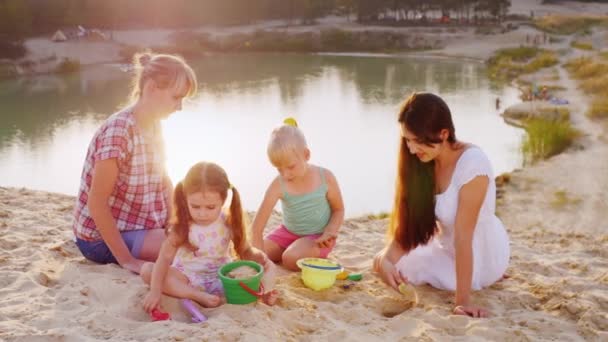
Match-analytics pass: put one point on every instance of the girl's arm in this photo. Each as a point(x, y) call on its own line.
point(105, 174)
point(470, 199)
point(273, 194)
point(159, 272)
point(254, 254)
point(334, 197)
point(165, 256)
point(268, 279)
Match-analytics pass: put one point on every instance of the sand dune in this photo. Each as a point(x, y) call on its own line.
point(557, 287)
point(557, 290)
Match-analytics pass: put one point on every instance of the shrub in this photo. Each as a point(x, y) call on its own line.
point(68, 65)
point(7, 70)
point(545, 138)
point(507, 64)
point(544, 60)
point(582, 45)
point(599, 108)
point(519, 54)
point(11, 49)
point(566, 24)
point(338, 40)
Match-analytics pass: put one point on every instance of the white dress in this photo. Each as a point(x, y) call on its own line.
point(434, 263)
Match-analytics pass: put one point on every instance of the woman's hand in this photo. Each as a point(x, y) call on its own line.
point(151, 300)
point(133, 265)
point(326, 240)
point(388, 272)
point(471, 311)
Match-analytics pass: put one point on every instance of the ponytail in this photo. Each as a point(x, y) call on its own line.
point(180, 226)
point(236, 222)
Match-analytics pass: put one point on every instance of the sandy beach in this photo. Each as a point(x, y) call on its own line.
point(556, 289)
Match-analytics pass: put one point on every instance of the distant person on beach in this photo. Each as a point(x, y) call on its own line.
point(312, 205)
point(123, 203)
point(443, 231)
point(201, 239)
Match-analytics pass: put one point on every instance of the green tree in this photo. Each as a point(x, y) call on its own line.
point(15, 18)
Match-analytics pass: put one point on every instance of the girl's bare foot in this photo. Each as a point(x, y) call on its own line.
point(208, 300)
point(270, 298)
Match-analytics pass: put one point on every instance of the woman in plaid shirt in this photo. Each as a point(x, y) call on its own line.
point(123, 203)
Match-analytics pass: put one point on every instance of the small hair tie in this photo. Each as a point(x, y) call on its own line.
point(290, 122)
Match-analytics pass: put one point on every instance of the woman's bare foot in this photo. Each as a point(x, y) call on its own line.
point(270, 297)
point(208, 300)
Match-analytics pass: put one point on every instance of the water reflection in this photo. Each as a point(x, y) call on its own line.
point(346, 106)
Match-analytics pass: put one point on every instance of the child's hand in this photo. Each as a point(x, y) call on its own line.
point(151, 301)
point(270, 297)
point(326, 240)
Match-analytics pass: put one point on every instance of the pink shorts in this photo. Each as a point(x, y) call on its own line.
point(283, 237)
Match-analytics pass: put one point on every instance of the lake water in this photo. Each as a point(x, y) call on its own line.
point(346, 106)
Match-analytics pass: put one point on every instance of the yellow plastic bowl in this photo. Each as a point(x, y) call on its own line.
point(319, 274)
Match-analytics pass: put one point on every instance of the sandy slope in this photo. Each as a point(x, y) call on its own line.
point(557, 290)
point(49, 292)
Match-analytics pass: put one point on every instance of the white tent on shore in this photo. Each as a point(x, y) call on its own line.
point(59, 36)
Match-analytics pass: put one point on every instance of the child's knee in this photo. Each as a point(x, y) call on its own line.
point(290, 261)
point(273, 251)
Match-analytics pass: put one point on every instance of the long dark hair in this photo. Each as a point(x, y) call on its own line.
point(413, 220)
point(206, 176)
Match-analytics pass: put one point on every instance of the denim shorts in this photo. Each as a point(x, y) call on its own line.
point(99, 252)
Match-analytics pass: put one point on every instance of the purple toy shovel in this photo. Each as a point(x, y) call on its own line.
point(197, 316)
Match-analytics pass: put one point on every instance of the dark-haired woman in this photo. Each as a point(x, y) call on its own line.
point(444, 231)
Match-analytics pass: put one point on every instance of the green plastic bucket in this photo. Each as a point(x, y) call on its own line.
point(241, 291)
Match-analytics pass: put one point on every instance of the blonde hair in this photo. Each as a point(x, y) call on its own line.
point(165, 70)
point(285, 141)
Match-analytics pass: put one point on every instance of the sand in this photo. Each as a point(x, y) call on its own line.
point(557, 287)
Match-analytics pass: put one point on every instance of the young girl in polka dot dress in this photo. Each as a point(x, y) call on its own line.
point(201, 240)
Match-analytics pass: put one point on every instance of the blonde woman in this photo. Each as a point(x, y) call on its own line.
point(123, 203)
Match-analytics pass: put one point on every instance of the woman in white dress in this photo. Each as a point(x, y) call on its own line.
point(443, 231)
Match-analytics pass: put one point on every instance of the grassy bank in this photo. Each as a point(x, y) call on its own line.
point(191, 44)
point(569, 24)
point(582, 45)
point(592, 76)
point(508, 64)
point(546, 137)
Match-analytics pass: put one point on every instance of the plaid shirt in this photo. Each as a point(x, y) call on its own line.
point(140, 197)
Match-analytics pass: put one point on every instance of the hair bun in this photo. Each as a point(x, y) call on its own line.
point(144, 59)
point(290, 122)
